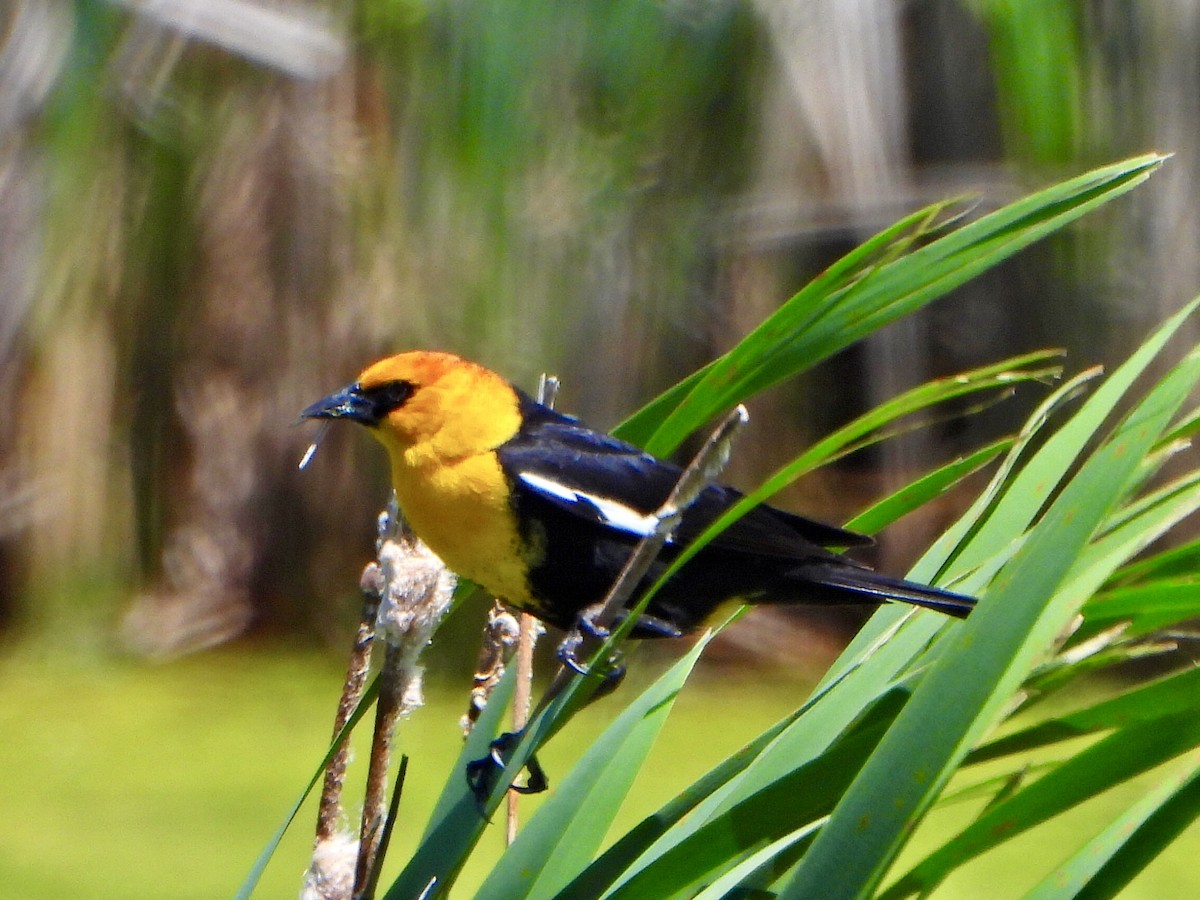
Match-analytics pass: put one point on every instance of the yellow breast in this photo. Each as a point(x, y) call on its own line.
point(461, 509)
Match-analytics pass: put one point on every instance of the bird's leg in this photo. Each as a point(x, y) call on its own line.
point(585, 626)
point(588, 626)
point(482, 773)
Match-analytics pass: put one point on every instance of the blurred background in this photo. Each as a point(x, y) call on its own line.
point(213, 212)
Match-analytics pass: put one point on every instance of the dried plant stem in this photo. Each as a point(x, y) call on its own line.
point(522, 695)
point(527, 637)
point(359, 666)
point(417, 593)
point(702, 470)
point(500, 635)
point(705, 467)
point(407, 591)
point(389, 825)
point(393, 680)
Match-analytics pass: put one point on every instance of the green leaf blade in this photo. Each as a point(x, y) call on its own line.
point(562, 837)
point(982, 664)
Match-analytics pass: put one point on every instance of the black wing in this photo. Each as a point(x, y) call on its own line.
point(616, 486)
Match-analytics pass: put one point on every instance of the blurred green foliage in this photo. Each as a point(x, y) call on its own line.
point(209, 224)
point(237, 210)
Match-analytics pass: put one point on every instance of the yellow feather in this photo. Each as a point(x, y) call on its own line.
point(447, 479)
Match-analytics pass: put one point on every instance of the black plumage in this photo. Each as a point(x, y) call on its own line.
point(583, 497)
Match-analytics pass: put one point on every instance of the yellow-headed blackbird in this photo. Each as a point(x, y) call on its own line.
point(543, 511)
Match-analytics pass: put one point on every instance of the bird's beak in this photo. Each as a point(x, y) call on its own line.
point(349, 403)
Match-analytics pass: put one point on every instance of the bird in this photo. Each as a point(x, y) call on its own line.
point(543, 511)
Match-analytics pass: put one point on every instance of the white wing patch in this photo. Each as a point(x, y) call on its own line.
point(608, 511)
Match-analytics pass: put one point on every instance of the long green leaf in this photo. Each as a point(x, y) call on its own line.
point(605, 869)
point(1045, 471)
point(1173, 562)
point(1136, 748)
point(807, 736)
point(562, 837)
point(457, 821)
point(795, 801)
point(1100, 559)
point(1147, 607)
point(943, 552)
point(936, 559)
point(730, 884)
point(1166, 696)
point(1027, 367)
point(1107, 863)
point(816, 324)
point(926, 488)
point(780, 327)
point(260, 864)
point(862, 668)
point(617, 859)
point(982, 664)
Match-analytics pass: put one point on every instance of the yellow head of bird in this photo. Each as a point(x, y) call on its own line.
point(426, 406)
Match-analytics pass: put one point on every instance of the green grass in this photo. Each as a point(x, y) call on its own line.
point(129, 781)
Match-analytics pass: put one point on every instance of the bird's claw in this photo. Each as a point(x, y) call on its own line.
point(612, 676)
point(586, 626)
point(568, 652)
point(482, 773)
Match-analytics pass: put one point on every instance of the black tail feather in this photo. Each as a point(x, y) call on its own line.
point(868, 586)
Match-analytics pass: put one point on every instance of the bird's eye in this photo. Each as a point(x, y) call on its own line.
point(391, 395)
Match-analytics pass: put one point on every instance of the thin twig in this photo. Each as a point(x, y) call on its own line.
point(416, 592)
point(392, 683)
point(530, 629)
point(359, 666)
point(522, 697)
point(389, 826)
point(548, 390)
point(702, 470)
